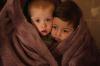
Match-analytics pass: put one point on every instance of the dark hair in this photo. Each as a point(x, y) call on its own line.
point(69, 11)
point(26, 6)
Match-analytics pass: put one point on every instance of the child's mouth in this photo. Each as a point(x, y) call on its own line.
point(44, 31)
point(58, 40)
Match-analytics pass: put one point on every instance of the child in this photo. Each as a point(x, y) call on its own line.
point(40, 14)
point(75, 45)
point(20, 43)
point(67, 18)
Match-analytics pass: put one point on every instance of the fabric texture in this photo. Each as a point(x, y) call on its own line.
point(21, 45)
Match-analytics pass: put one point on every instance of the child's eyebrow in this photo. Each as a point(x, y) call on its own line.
point(50, 17)
point(35, 17)
point(68, 28)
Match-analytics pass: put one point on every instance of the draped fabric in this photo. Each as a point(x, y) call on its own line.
point(21, 45)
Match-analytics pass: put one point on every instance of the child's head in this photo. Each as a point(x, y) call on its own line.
point(66, 19)
point(41, 15)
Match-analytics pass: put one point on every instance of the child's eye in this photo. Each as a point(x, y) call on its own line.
point(37, 20)
point(65, 30)
point(48, 19)
point(54, 26)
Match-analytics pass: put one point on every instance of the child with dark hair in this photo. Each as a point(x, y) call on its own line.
point(67, 18)
point(75, 44)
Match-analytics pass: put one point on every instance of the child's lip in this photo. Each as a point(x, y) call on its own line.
point(44, 31)
point(58, 40)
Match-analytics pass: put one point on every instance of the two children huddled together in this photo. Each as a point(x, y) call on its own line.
point(56, 23)
point(51, 21)
point(54, 34)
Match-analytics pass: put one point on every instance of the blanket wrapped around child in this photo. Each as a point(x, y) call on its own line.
point(21, 45)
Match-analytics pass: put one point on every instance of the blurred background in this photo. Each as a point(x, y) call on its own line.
point(91, 12)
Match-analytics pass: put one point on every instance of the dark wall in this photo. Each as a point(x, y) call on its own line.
point(91, 10)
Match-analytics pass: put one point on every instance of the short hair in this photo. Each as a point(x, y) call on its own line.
point(69, 11)
point(38, 3)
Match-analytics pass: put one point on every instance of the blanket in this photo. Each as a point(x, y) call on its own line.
point(21, 45)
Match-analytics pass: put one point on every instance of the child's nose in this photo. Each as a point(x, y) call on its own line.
point(44, 25)
point(58, 34)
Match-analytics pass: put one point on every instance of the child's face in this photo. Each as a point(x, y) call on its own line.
point(61, 29)
point(42, 18)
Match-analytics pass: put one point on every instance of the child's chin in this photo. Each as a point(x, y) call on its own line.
point(44, 34)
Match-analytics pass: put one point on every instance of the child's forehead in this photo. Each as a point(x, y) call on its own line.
point(41, 8)
point(61, 22)
point(40, 11)
point(41, 4)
